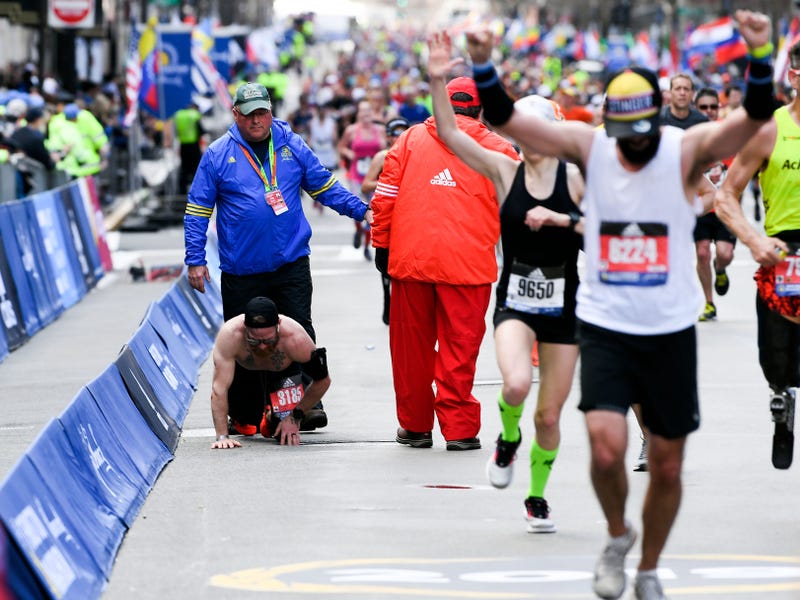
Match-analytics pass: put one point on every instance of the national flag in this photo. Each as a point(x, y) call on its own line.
point(643, 53)
point(591, 44)
point(205, 76)
point(133, 77)
point(787, 40)
point(148, 58)
point(718, 38)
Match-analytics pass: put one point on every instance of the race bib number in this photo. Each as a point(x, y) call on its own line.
point(634, 253)
point(787, 273)
point(362, 165)
point(287, 396)
point(275, 199)
point(536, 290)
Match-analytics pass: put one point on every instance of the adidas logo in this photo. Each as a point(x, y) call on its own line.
point(231, 160)
point(632, 230)
point(444, 178)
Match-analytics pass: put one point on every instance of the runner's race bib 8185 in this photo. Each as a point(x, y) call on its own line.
point(536, 290)
point(633, 253)
point(287, 396)
point(787, 273)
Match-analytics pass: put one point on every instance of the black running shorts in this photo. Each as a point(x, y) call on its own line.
point(657, 371)
point(548, 330)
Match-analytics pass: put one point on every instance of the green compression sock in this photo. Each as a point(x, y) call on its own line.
point(541, 464)
point(509, 417)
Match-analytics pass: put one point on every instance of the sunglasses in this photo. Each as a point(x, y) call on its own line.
point(708, 106)
point(266, 341)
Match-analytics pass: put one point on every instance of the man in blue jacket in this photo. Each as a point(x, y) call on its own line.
point(254, 175)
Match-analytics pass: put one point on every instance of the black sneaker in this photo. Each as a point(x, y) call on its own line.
point(537, 514)
point(314, 419)
point(721, 283)
point(472, 443)
point(500, 468)
point(413, 439)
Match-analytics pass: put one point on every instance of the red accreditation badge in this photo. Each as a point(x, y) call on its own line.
point(275, 199)
point(787, 273)
point(634, 253)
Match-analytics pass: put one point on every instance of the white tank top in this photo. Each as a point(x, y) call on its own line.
point(640, 259)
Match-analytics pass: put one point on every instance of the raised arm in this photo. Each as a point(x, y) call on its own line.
point(498, 167)
point(709, 142)
point(570, 141)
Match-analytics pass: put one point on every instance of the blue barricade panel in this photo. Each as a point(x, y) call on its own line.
point(127, 425)
point(82, 251)
point(86, 229)
point(179, 345)
point(57, 242)
point(146, 400)
point(165, 377)
point(14, 256)
point(3, 344)
point(21, 578)
point(50, 306)
point(181, 314)
point(10, 311)
point(44, 532)
point(93, 521)
point(202, 305)
point(102, 458)
point(37, 273)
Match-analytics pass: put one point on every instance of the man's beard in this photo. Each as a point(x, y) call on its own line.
point(639, 156)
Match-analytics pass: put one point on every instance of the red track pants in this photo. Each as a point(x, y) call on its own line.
point(421, 315)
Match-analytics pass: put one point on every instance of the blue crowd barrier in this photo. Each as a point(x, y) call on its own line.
point(169, 385)
point(64, 259)
point(70, 499)
point(11, 322)
point(183, 314)
point(146, 400)
point(92, 520)
point(28, 272)
point(102, 457)
point(43, 529)
point(182, 347)
point(125, 422)
point(85, 219)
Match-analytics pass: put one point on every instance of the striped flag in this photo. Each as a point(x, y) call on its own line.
point(787, 40)
point(205, 76)
point(133, 77)
point(719, 39)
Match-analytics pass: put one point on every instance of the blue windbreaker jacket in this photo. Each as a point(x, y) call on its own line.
point(252, 238)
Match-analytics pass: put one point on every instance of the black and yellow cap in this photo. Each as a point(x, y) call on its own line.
point(633, 104)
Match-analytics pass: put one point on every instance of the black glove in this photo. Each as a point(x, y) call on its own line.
point(382, 260)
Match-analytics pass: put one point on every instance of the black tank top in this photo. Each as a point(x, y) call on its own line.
point(548, 247)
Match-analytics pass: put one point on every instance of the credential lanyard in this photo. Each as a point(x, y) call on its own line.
point(268, 185)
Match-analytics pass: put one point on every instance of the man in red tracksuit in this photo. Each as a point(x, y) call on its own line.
point(434, 231)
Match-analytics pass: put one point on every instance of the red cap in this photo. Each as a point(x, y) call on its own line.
point(465, 85)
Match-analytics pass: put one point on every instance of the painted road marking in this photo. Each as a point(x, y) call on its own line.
point(554, 577)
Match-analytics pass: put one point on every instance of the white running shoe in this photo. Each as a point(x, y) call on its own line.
point(537, 514)
point(500, 468)
point(609, 572)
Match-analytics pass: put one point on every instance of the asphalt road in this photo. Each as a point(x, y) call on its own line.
point(352, 514)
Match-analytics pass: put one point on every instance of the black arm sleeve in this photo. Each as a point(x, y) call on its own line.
point(317, 365)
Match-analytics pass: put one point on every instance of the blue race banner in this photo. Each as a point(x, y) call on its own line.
point(181, 347)
point(102, 458)
point(167, 73)
point(127, 425)
point(13, 329)
point(85, 221)
point(77, 239)
point(44, 532)
point(91, 519)
point(19, 262)
point(64, 262)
